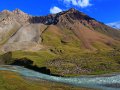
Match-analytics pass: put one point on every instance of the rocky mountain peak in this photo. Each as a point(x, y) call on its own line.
point(70, 16)
point(20, 16)
point(72, 10)
point(18, 11)
point(6, 12)
point(55, 18)
point(9, 17)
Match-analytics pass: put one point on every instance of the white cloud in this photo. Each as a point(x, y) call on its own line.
point(55, 10)
point(79, 3)
point(115, 25)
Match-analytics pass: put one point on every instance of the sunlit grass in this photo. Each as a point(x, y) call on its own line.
point(13, 81)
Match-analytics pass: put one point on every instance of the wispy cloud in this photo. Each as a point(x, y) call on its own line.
point(55, 9)
point(115, 25)
point(79, 3)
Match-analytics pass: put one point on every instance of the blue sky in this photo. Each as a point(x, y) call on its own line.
point(106, 11)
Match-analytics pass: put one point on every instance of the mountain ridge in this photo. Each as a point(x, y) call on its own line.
point(79, 24)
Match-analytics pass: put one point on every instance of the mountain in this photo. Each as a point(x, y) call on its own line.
point(21, 31)
point(115, 25)
point(69, 42)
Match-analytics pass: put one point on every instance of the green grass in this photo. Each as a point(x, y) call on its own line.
point(67, 62)
point(39, 58)
point(54, 40)
point(13, 81)
point(102, 46)
point(93, 63)
point(50, 38)
point(108, 31)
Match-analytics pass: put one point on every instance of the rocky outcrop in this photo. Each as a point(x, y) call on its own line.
point(21, 17)
point(17, 15)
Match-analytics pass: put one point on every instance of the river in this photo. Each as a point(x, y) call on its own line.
point(103, 82)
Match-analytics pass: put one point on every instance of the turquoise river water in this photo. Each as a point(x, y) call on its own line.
point(103, 82)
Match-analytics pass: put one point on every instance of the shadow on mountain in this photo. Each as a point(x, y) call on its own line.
point(47, 20)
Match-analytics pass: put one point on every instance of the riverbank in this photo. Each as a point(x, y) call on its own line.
point(13, 81)
point(96, 82)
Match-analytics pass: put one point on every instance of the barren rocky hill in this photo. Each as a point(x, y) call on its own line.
point(20, 31)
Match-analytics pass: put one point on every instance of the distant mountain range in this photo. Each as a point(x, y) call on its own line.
point(115, 25)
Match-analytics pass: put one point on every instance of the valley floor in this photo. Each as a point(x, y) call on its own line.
point(67, 64)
